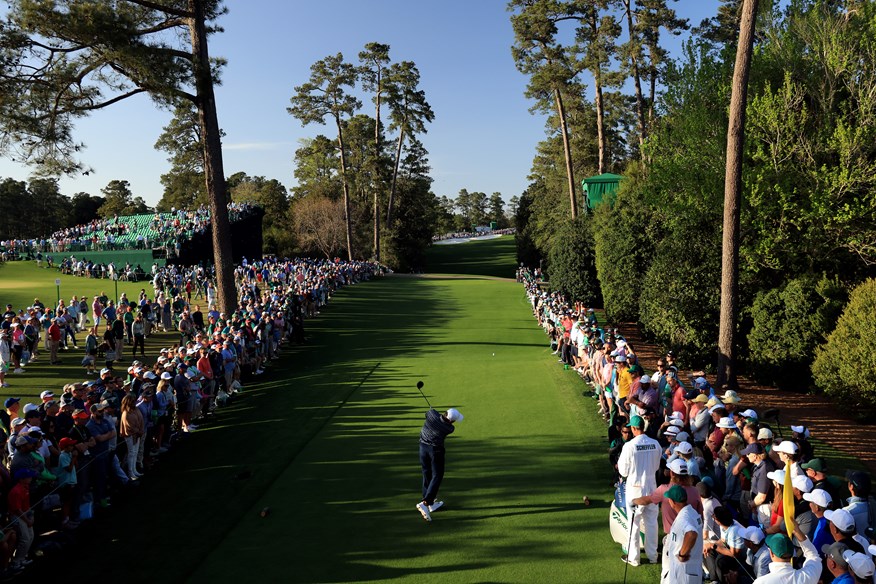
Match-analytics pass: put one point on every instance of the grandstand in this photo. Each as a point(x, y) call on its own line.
point(183, 236)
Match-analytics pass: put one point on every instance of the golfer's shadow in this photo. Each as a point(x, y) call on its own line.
point(519, 510)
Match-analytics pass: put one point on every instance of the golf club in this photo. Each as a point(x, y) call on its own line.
point(420, 387)
point(629, 540)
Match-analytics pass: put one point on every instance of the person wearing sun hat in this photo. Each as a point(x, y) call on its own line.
point(638, 463)
point(683, 545)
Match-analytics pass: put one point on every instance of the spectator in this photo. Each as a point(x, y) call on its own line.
point(782, 552)
point(22, 515)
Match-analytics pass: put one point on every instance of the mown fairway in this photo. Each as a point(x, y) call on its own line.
point(328, 442)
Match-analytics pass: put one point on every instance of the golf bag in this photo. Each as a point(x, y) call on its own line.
point(618, 522)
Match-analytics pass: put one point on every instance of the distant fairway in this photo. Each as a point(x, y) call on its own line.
point(328, 442)
point(491, 257)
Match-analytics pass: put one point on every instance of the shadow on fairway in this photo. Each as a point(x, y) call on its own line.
point(192, 499)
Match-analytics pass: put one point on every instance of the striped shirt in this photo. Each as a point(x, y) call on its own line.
point(435, 429)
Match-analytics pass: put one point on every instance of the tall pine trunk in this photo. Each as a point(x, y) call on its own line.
point(567, 151)
point(226, 292)
point(600, 121)
point(347, 221)
point(732, 200)
point(637, 77)
point(398, 151)
point(375, 179)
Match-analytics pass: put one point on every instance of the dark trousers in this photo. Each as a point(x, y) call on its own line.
point(139, 340)
point(432, 461)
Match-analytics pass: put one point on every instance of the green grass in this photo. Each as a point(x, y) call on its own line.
point(490, 257)
point(328, 441)
point(21, 283)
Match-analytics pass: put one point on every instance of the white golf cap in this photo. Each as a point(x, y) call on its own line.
point(683, 437)
point(860, 564)
point(684, 448)
point(754, 534)
point(842, 519)
point(801, 430)
point(676, 416)
point(454, 415)
point(678, 467)
point(645, 379)
point(802, 483)
point(749, 414)
point(777, 475)
point(765, 434)
point(786, 447)
point(820, 497)
point(726, 422)
point(30, 408)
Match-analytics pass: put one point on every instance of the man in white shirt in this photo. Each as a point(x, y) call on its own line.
point(683, 545)
point(638, 463)
point(781, 554)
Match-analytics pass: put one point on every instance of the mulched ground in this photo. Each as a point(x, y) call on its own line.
point(825, 420)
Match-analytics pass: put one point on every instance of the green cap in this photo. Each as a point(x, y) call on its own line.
point(636, 422)
point(676, 493)
point(780, 545)
point(815, 464)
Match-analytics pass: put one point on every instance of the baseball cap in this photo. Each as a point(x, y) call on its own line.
point(22, 440)
point(749, 413)
point(860, 564)
point(765, 434)
point(858, 478)
point(777, 475)
point(787, 447)
point(454, 415)
point(753, 448)
point(636, 422)
point(802, 483)
point(678, 467)
point(815, 464)
point(645, 379)
point(836, 550)
point(818, 496)
point(46, 394)
point(684, 448)
point(842, 519)
point(700, 399)
point(676, 493)
point(18, 422)
point(620, 359)
point(166, 375)
point(683, 436)
point(11, 401)
point(671, 431)
point(801, 430)
point(701, 383)
point(65, 442)
point(754, 534)
point(780, 545)
point(30, 408)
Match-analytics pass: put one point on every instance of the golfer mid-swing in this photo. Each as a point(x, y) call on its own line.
point(435, 429)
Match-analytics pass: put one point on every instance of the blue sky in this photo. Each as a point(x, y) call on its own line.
point(483, 137)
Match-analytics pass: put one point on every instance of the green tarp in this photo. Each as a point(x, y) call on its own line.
point(600, 188)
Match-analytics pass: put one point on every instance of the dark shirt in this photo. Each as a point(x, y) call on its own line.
point(96, 428)
point(435, 429)
point(759, 481)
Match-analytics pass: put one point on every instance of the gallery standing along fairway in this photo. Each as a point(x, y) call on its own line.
point(342, 508)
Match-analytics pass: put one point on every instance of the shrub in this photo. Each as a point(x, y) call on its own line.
point(571, 266)
point(625, 237)
point(845, 366)
point(787, 324)
point(680, 293)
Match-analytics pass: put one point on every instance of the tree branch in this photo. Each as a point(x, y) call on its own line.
point(167, 24)
point(162, 8)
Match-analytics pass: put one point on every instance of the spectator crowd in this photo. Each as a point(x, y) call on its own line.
point(165, 230)
point(65, 455)
point(708, 470)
